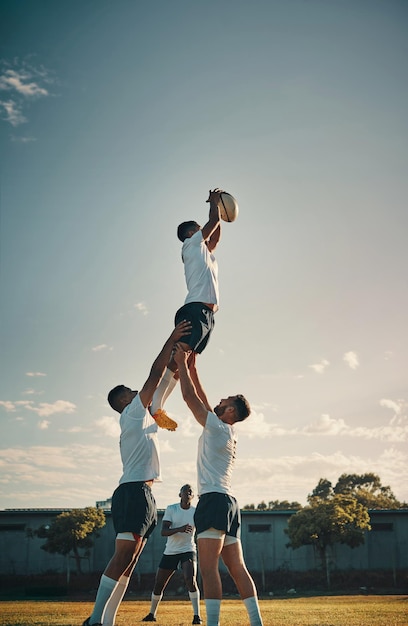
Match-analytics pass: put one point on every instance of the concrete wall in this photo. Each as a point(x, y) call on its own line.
point(263, 540)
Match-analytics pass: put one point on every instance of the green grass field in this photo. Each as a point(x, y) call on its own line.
point(316, 611)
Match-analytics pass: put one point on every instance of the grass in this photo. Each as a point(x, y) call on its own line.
point(315, 611)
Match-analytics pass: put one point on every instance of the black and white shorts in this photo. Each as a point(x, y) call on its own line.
point(219, 511)
point(171, 561)
point(134, 509)
point(202, 324)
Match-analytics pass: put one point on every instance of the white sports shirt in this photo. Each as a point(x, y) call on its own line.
point(180, 542)
point(200, 270)
point(216, 456)
point(139, 444)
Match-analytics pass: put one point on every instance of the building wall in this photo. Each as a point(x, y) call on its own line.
point(263, 541)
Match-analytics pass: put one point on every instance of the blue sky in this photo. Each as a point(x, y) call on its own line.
point(116, 119)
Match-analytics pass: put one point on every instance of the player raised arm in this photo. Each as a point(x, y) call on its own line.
point(190, 394)
point(160, 363)
point(211, 231)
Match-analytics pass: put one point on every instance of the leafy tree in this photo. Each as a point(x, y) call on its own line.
point(72, 531)
point(283, 505)
point(325, 522)
point(368, 490)
point(322, 491)
point(274, 505)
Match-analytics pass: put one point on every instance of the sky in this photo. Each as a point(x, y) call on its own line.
point(116, 118)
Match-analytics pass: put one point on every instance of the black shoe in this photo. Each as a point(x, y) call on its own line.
point(149, 618)
point(88, 623)
point(197, 620)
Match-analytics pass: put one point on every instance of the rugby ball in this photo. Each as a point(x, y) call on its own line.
point(228, 207)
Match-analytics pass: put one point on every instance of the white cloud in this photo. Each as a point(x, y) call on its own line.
point(326, 425)
point(391, 404)
point(100, 347)
point(351, 359)
point(74, 429)
point(22, 82)
point(320, 367)
point(44, 424)
point(8, 405)
point(45, 409)
point(109, 426)
point(22, 139)
point(34, 374)
point(141, 306)
point(12, 112)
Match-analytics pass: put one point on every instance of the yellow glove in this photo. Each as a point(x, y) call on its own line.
point(164, 421)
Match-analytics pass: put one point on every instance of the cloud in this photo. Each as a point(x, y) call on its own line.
point(109, 426)
point(44, 424)
point(100, 347)
point(22, 139)
point(351, 359)
point(320, 367)
point(257, 426)
point(22, 82)
point(31, 392)
point(326, 425)
point(293, 477)
point(8, 405)
point(33, 374)
point(391, 404)
point(141, 306)
point(45, 409)
point(12, 112)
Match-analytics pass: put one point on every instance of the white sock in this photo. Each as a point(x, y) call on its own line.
point(155, 603)
point(105, 590)
point(112, 607)
point(252, 607)
point(195, 601)
point(164, 389)
point(212, 608)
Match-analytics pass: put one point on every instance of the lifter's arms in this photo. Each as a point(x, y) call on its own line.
point(211, 231)
point(190, 396)
point(191, 363)
point(160, 363)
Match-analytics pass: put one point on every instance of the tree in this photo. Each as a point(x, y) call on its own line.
point(325, 522)
point(72, 531)
point(368, 490)
point(283, 505)
point(274, 505)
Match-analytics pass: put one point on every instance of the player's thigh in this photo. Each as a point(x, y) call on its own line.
point(209, 551)
point(189, 569)
point(232, 556)
point(162, 577)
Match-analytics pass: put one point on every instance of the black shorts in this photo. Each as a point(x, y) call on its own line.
point(134, 509)
point(171, 561)
point(202, 324)
point(220, 511)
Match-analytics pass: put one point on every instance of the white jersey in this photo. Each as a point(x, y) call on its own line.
point(216, 456)
point(139, 444)
point(180, 542)
point(200, 270)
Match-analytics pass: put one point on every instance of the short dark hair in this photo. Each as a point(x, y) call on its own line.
point(242, 408)
point(114, 395)
point(184, 228)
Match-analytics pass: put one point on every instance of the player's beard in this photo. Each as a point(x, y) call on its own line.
point(219, 410)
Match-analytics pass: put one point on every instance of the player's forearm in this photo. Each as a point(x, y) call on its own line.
point(198, 387)
point(186, 385)
point(162, 359)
